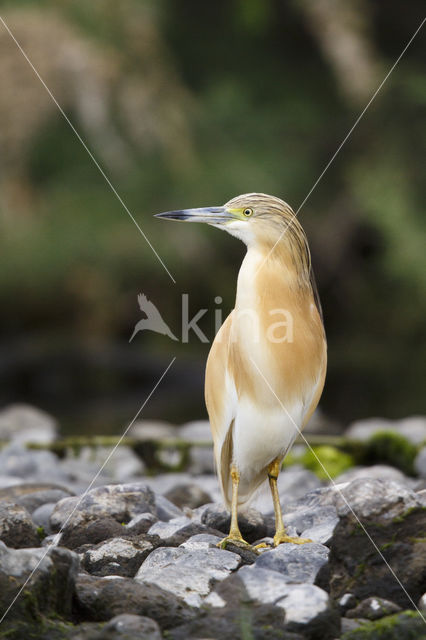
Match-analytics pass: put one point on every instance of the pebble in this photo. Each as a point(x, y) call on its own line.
point(24, 423)
point(297, 563)
point(187, 573)
point(412, 428)
point(117, 556)
point(17, 530)
point(373, 609)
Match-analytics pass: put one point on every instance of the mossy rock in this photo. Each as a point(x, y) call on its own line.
point(390, 448)
point(326, 457)
point(48, 629)
point(407, 625)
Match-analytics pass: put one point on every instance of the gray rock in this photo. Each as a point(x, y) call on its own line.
point(24, 423)
point(422, 603)
point(297, 563)
point(41, 516)
point(294, 482)
point(412, 428)
point(117, 556)
point(128, 626)
point(370, 498)
point(17, 530)
point(140, 523)
point(48, 590)
point(167, 529)
point(99, 599)
point(91, 531)
point(121, 502)
point(33, 496)
point(307, 518)
point(188, 495)
point(307, 607)
point(153, 430)
point(376, 472)
point(9, 481)
point(373, 609)
point(120, 467)
point(15, 460)
point(321, 533)
point(188, 574)
point(420, 463)
point(252, 523)
point(196, 431)
point(166, 510)
point(351, 624)
point(358, 566)
point(201, 541)
point(347, 601)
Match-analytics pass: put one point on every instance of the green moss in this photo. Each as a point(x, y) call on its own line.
point(407, 625)
point(325, 459)
point(390, 448)
point(41, 533)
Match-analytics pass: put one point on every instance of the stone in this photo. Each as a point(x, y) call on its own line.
point(373, 609)
point(121, 467)
point(90, 532)
point(376, 472)
point(31, 495)
point(100, 599)
point(308, 518)
point(153, 430)
point(407, 625)
point(121, 502)
point(347, 601)
point(252, 523)
point(188, 574)
point(297, 563)
point(294, 482)
point(140, 523)
point(166, 530)
point(196, 431)
point(16, 460)
point(412, 428)
point(358, 566)
point(201, 457)
point(41, 517)
point(166, 510)
point(23, 423)
point(9, 481)
point(420, 463)
point(422, 603)
point(128, 626)
point(370, 498)
point(307, 608)
point(48, 590)
point(188, 495)
point(117, 556)
point(201, 541)
point(321, 533)
point(17, 530)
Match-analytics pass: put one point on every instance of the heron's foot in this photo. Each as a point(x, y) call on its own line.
point(281, 537)
point(236, 539)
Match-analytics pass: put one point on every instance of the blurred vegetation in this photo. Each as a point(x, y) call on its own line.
point(188, 104)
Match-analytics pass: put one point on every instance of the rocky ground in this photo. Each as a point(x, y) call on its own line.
point(136, 557)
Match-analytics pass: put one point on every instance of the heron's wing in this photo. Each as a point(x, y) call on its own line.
point(316, 294)
point(148, 307)
point(220, 401)
point(317, 391)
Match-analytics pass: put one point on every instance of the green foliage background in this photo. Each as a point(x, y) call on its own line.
point(264, 112)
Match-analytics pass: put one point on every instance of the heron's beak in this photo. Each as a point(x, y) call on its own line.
point(210, 215)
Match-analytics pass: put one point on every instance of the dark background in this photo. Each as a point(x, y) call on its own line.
point(186, 103)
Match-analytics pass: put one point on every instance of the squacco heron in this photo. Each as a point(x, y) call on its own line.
point(262, 385)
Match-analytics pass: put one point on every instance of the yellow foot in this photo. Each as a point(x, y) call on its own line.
point(238, 540)
point(280, 538)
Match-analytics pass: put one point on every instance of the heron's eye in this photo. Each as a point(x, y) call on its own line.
point(248, 212)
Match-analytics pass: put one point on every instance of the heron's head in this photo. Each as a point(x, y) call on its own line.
point(254, 218)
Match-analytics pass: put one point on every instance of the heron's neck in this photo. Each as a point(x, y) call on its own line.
point(263, 271)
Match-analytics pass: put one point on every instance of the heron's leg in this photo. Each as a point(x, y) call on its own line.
point(280, 534)
point(234, 532)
